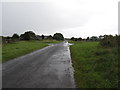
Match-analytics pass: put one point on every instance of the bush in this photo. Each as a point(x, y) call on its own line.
point(58, 36)
point(15, 36)
point(29, 35)
point(110, 41)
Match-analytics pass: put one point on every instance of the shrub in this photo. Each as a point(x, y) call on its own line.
point(110, 41)
point(58, 36)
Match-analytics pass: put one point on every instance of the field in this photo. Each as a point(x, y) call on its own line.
point(95, 66)
point(13, 50)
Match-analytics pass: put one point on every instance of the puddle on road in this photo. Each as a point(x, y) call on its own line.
point(61, 64)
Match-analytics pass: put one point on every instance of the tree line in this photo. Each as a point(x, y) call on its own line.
point(93, 38)
point(30, 35)
point(105, 40)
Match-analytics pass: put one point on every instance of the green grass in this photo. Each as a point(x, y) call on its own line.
point(70, 41)
point(13, 50)
point(95, 66)
point(50, 41)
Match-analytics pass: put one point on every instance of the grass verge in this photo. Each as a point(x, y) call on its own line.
point(13, 50)
point(95, 66)
point(51, 41)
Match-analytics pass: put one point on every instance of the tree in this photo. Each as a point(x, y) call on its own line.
point(72, 38)
point(94, 38)
point(101, 37)
point(58, 36)
point(109, 41)
point(76, 39)
point(29, 35)
point(50, 37)
point(79, 39)
point(87, 39)
point(43, 36)
point(15, 36)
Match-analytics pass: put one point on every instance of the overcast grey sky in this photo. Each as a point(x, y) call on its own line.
point(78, 18)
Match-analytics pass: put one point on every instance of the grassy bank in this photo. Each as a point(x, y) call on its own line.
point(95, 66)
point(13, 50)
point(51, 41)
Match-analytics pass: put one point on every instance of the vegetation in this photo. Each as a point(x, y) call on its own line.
point(43, 37)
point(50, 41)
point(76, 39)
point(110, 41)
point(93, 38)
point(95, 63)
point(13, 50)
point(58, 36)
point(15, 36)
point(95, 66)
point(19, 45)
point(28, 36)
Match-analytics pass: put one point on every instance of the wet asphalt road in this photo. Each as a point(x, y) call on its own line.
point(49, 67)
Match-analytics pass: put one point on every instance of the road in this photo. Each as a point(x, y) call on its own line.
point(49, 67)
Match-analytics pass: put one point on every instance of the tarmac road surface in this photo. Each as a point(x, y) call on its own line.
point(49, 67)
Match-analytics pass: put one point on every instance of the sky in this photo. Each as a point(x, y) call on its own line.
point(72, 18)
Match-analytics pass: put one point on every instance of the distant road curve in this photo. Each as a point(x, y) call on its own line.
point(49, 67)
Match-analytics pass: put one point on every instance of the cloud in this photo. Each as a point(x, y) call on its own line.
point(79, 18)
